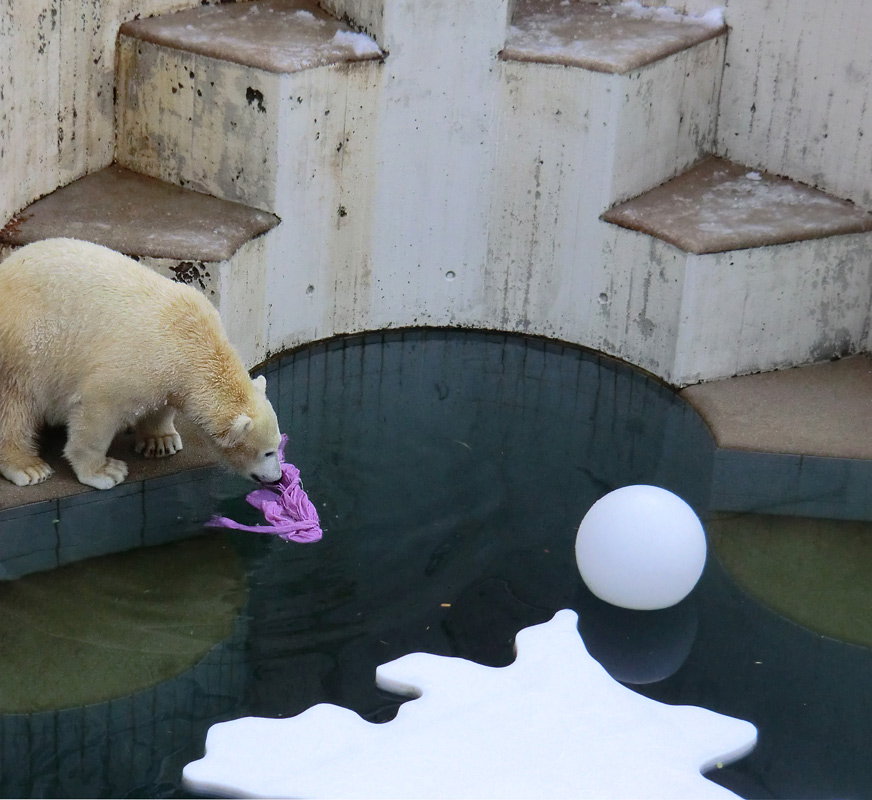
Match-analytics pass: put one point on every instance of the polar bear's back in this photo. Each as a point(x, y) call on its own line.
point(66, 305)
point(60, 269)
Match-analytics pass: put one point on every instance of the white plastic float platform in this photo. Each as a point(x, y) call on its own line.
point(552, 724)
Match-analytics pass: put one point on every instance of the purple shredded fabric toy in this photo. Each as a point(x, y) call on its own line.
point(285, 505)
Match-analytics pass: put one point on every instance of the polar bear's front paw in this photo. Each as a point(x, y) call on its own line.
point(159, 445)
point(33, 472)
point(111, 474)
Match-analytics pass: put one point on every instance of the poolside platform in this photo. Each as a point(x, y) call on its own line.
point(816, 410)
point(195, 454)
point(794, 442)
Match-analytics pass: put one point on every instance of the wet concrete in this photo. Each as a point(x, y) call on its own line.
point(140, 216)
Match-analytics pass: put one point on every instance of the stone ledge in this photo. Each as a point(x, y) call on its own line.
point(612, 38)
point(718, 206)
point(274, 35)
point(196, 453)
point(817, 410)
point(140, 216)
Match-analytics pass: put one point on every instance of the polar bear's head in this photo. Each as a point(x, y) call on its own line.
point(251, 443)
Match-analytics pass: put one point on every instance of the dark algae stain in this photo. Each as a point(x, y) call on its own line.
point(254, 97)
point(191, 272)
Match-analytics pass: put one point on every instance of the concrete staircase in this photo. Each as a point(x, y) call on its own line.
point(496, 174)
point(699, 269)
point(533, 166)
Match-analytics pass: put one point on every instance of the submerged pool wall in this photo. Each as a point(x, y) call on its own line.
point(448, 184)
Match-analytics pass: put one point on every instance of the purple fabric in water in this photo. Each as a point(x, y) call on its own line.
point(285, 506)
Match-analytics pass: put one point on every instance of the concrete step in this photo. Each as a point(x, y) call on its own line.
point(779, 432)
point(213, 244)
point(609, 37)
point(718, 206)
point(817, 410)
point(752, 273)
point(280, 36)
point(61, 521)
point(162, 500)
point(641, 101)
point(195, 454)
point(213, 98)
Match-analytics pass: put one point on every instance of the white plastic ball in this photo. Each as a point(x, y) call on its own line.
point(640, 547)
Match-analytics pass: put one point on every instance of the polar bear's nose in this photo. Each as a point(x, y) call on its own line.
point(270, 474)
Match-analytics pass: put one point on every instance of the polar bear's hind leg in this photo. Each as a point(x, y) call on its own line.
point(19, 461)
point(156, 435)
point(90, 430)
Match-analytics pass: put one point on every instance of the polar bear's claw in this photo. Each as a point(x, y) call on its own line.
point(159, 446)
point(29, 474)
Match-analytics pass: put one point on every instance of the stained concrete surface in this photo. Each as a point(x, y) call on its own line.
point(614, 38)
point(274, 35)
point(817, 410)
point(718, 206)
point(140, 216)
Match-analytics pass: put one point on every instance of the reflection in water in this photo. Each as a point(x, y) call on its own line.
point(638, 647)
point(110, 665)
point(124, 622)
point(813, 571)
point(450, 471)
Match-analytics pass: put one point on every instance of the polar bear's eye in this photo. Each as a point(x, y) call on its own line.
point(270, 454)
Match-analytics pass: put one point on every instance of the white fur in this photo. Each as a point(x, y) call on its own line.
point(91, 339)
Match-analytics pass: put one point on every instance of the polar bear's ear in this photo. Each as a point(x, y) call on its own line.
point(259, 383)
point(237, 430)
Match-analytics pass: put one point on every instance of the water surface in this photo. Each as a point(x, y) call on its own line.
point(451, 471)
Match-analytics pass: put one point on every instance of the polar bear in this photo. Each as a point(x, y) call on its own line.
point(93, 340)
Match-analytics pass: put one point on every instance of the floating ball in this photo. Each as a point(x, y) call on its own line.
point(640, 547)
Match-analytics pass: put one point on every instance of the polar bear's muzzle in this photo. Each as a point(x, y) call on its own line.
point(269, 471)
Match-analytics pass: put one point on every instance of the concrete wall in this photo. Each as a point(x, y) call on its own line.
point(797, 95)
point(797, 92)
point(57, 79)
